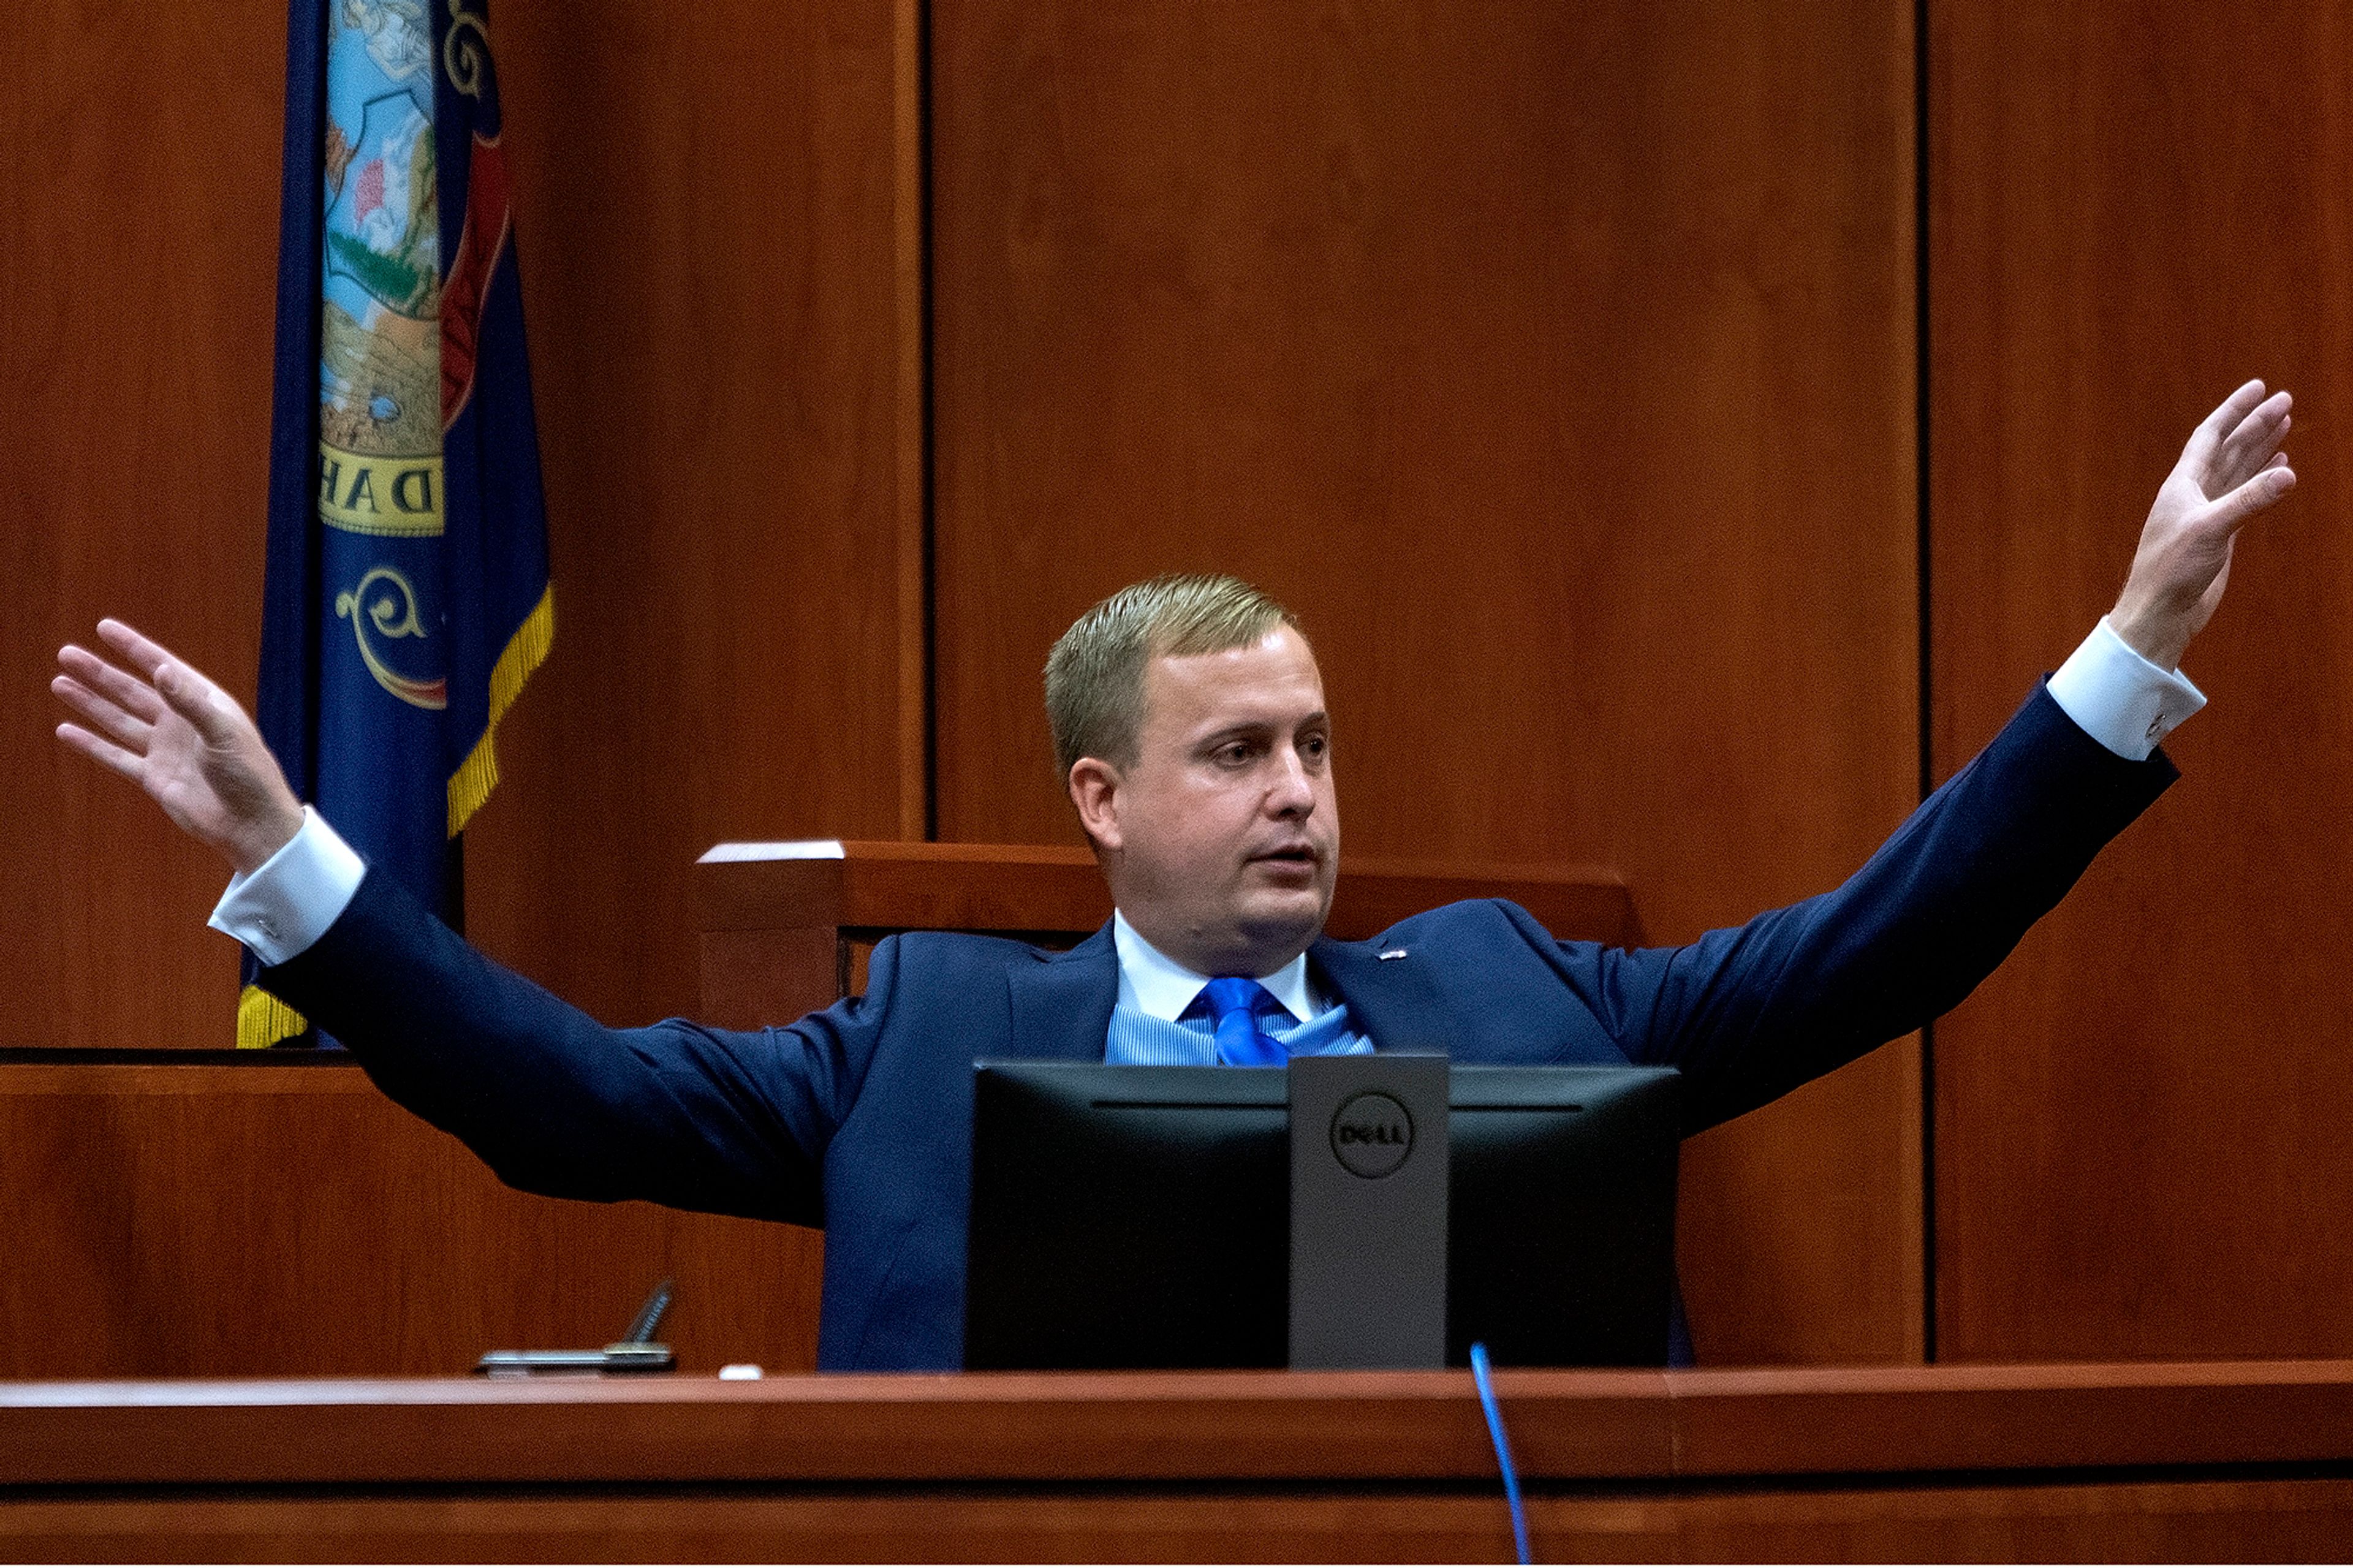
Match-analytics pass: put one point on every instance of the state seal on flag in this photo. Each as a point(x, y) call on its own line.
point(379, 316)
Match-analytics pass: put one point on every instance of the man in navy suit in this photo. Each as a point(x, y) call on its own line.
point(1189, 717)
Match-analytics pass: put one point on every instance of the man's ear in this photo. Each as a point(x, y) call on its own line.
point(1094, 790)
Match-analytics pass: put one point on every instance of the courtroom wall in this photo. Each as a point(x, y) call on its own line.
point(713, 260)
point(1556, 365)
point(2140, 1123)
point(1521, 356)
point(1560, 367)
point(138, 265)
point(713, 309)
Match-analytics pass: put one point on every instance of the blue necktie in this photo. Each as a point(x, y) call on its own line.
point(1234, 1006)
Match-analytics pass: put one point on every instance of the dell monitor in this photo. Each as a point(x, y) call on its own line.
point(1138, 1216)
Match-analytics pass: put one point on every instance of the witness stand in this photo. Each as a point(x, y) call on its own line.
point(2183, 1461)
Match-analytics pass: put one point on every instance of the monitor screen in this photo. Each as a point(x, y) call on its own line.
point(1127, 1216)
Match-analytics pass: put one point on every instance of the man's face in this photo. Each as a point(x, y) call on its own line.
point(1220, 840)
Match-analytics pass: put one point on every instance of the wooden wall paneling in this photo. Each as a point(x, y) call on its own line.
point(2142, 1144)
point(911, 473)
point(184, 1220)
point(1557, 366)
point(712, 226)
point(713, 235)
point(138, 181)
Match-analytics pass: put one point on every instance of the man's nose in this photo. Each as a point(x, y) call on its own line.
point(1291, 793)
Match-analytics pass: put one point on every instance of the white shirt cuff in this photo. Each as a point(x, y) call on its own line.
point(290, 901)
point(2118, 697)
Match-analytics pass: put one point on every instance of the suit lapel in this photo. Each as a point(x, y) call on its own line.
point(1061, 1002)
point(1393, 1001)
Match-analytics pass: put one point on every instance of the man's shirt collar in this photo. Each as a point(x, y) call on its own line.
point(1153, 983)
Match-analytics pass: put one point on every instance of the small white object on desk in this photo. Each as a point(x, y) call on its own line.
point(738, 1372)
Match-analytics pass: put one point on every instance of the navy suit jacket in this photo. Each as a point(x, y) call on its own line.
point(860, 1118)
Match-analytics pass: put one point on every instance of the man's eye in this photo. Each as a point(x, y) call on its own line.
point(1234, 752)
point(1316, 745)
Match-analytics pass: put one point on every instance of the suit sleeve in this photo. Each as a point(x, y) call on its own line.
point(1751, 1013)
point(555, 1102)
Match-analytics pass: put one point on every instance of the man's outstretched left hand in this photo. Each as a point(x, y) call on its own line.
point(2231, 469)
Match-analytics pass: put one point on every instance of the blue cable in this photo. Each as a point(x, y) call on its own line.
point(1481, 1374)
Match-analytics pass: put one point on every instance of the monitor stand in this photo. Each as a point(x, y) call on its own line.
point(1369, 1168)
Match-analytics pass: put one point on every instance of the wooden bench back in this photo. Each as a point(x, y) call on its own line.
point(785, 926)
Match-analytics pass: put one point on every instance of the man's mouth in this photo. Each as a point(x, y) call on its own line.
point(1291, 855)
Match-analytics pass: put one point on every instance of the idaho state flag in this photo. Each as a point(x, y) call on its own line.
point(407, 599)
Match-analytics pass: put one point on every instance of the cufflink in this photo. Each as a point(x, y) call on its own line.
point(2157, 727)
point(269, 926)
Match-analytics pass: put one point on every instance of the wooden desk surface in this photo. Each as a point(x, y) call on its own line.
point(1242, 1451)
point(1566, 1425)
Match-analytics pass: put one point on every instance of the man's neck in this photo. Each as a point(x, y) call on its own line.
point(1153, 982)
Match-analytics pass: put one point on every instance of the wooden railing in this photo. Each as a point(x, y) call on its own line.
point(2194, 1462)
point(785, 925)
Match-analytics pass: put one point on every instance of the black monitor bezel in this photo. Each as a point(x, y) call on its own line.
point(1078, 1259)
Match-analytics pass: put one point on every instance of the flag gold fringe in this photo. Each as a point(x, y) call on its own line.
point(471, 785)
point(262, 1020)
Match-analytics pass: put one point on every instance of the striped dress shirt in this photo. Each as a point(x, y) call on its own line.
point(1154, 1022)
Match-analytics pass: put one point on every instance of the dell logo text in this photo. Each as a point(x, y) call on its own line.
point(1372, 1134)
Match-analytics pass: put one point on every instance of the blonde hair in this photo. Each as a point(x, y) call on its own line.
point(1094, 676)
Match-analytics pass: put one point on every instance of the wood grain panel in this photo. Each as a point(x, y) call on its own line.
point(711, 220)
point(711, 224)
point(2186, 1522)
point(140, 178)
point(980, 1427)
point(1556, 365)
point(1901, 1464)
point(2178, 1419)
point(2142, 1142)
point(254, 1219)
point(1057, 888)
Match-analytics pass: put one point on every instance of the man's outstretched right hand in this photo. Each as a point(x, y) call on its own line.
point(173, 732)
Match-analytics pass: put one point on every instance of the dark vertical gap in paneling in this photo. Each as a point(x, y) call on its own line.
point(930, 423)
point(1922, 357)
